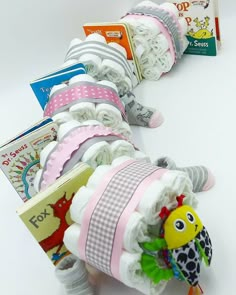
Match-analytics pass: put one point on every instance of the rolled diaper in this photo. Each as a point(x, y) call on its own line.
point(141, 156)
point(62, 118)
point(109, 115)
point(151, 73)
point(92, 63)
point(165, 62)
point(124, 129)
point(82, 78)
point(97, 176)
point(66, 127)
point(119, 48)
point(83, 111)
point(57, 88)
point(122, 148)
point(98, 154)
point(37, 179)
point(159, 45)
point(109, 84)
point(96, 37)
point(71, 239)
point(112, 71)
point(46, 151)
point(124, 86)
point(146, 28)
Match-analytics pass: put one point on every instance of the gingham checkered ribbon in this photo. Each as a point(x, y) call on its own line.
point(105, 217)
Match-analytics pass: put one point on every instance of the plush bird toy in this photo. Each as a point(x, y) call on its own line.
point(183, 244)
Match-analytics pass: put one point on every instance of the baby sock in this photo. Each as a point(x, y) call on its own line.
point(202, 179)
point(71, 272)
point(141, 115)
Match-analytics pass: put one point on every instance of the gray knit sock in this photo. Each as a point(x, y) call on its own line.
point(71, 272)
point(140, 115)
point(202, 179)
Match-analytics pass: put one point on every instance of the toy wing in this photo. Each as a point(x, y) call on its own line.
point(204, 245)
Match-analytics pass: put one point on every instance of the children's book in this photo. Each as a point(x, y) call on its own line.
point(202, 17)
point(20, 156)
point(43, 85)
point(47, 214)
point(119, 33)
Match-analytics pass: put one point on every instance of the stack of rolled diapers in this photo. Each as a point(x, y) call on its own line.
point(159, 36)
point(117, 211)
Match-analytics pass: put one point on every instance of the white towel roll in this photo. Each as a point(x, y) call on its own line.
point(154, 198)
point(81, 78)
point(97, 176)
point(83, 111)
point(112, 71)
point(148, 59)
point(165, 61)
point(135, 232)
point(96, 37)
point(109, 84)
point(62, 118)
point(170, 7)
point(98, 154)
point(92, 63)
point(55, 88)
point(159, 45)
point(79, 203)
point(140, 42)
point(124, 86)
point(37, 178)
point(122, 148)
point(151, 73)
point(119, 48)
point(46, 151)
point(124, 129)
point(146, 28)
point(109, 115)
point(66, 127)
point(71, 239)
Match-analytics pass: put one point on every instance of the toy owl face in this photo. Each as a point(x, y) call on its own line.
point(181, 226)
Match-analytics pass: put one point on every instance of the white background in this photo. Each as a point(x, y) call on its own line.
point(197, 99)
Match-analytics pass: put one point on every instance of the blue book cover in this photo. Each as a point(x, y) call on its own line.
point(42, 86)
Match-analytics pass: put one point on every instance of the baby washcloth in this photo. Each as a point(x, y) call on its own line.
point(83, 111)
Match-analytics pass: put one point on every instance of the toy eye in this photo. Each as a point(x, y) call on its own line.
point(179, 225)
point(190, 217)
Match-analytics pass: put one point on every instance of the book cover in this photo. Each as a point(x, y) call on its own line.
point(119, 33)
point(20, 156)
point(203, 25)
point(47, 214)
point(42, 86)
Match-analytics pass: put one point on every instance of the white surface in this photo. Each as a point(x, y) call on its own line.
point(197, 100)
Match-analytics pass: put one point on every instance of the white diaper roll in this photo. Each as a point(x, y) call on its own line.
point(141, 45)
point(37, 178)
point(98, 154)
point(130, 268)
point(165, 62)
point(124, 86)
point(112, 71)
point(92, 63)
point(151, 73)
point(159, 45)
point(62, 118)
point(71, 239)
point(135, 232)
point(119, 48)
point(97, 176)
point(141, 156)
point(109, 115)
point(91, 123)
point(183, 24)
point(146, 28)
point(46, 151)
point(109, 84)
point(79, 203)
point(65, 128)
point(74, 42)
point(154, 198)
point(148, 59)
point(83, 111)
point(55, 88)
point(170, 7)
point(124, 129)
point(81, 78)
point(96, 37)
point(122, 148)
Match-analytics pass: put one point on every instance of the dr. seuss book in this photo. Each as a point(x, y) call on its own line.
point(202, 18)
point(43, 85)
point(120, 34)
point(20, 156)
point(47, 214)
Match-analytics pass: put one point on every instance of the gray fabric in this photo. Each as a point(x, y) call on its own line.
point(167, 20)
point(197, 174)
point(137, 114)
point(77, 155)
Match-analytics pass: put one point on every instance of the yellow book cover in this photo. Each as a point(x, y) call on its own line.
point(47, 214)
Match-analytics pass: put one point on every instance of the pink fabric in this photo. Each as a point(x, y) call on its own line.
point(92, 204)
point(66, 147)
point(162, 28)
point(130, 208)
point(70, 95)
